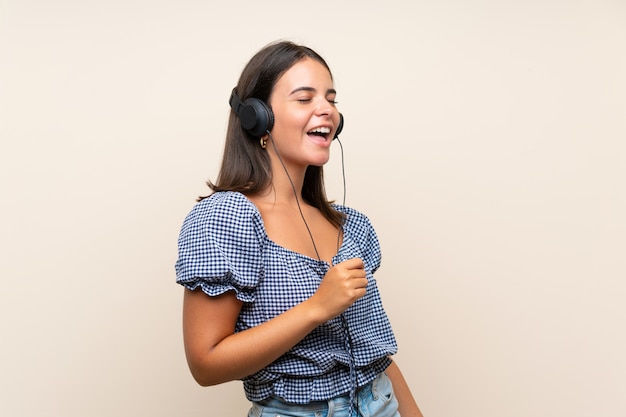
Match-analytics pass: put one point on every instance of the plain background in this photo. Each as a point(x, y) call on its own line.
point(484, 139)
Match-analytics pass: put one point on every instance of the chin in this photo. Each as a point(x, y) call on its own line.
point(319, 162)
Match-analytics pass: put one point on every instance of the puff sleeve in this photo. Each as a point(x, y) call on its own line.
point(220, 247)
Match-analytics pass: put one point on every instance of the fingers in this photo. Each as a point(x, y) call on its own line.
point(355, 277)
point(342, 285)
point(354, 263)
point(353, 269)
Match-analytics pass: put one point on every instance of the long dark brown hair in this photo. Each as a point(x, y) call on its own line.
point(246, 166)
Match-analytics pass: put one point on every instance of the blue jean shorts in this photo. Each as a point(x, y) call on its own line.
point(375, 399)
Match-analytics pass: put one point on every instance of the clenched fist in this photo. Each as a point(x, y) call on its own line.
point(342, 285)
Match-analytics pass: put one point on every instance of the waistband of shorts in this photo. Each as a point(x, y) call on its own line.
point(336, 402)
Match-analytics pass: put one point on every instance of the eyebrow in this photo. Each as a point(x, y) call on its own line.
point(311, 89)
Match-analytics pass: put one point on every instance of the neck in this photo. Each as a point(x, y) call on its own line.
point(287, 181)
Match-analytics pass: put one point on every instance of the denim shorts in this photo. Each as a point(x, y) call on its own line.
point(375, 399)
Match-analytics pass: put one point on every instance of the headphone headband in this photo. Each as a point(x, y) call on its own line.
point(234, 102)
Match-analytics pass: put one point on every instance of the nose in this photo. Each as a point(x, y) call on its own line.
point(325, 109)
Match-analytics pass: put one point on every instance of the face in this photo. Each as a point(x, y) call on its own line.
point(303, 102)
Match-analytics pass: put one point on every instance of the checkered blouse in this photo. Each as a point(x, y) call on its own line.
point(223, 247)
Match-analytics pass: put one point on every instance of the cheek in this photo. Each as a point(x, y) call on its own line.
point(291, 124)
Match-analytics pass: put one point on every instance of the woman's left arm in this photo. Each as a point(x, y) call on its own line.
point(407, 405)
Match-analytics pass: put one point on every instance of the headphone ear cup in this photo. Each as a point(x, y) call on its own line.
point(340, 127)
point(256, 117)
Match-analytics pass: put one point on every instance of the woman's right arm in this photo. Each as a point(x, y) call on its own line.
point(216, 354)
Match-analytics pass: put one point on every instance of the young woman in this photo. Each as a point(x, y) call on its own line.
point(279, 285)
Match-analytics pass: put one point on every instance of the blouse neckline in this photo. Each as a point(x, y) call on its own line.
point(257, 213)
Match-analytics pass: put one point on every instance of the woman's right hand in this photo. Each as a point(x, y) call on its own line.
point(342, 285)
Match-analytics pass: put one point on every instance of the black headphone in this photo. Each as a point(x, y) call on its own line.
point(257, 118)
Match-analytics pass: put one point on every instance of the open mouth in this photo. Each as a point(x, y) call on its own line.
point(321, 132)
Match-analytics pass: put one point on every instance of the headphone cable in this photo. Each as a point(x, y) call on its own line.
point(295, 193)
point(343, 170)
point(354, 400)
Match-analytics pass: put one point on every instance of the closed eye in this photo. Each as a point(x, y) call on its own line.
point(330, 94)
point(307, 100)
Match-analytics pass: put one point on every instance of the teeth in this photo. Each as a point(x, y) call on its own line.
point(323, 130)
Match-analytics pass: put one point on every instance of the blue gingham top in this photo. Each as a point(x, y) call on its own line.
point(223, 246)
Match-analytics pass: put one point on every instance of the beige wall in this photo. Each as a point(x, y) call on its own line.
point(485, 139)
